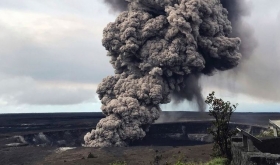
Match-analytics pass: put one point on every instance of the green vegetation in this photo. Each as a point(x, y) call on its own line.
point(189, 163)
point(217, 161)
point(220, 129)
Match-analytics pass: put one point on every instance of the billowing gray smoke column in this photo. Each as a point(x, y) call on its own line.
point(155, 48)
point(238, 9)
point(117, 5)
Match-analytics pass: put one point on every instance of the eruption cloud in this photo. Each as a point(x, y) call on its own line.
point(116, 5)
point(159, 49)
point(237, 10)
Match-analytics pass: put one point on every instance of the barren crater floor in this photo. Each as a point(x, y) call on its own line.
point(57, 138)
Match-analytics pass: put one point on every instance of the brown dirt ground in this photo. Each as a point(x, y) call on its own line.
point(138, 155)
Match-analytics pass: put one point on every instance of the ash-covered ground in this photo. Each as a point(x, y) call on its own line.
point(56, 138)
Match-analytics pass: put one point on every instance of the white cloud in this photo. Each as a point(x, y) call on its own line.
point(46, 29)
point(45, 47)
point(25, 90)
point(49, 58)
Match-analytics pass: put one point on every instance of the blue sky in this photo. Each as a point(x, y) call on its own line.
point(52, 58)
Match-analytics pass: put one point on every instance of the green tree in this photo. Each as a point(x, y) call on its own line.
point(220, 129)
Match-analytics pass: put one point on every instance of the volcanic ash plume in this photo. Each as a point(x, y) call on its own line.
point(155, 48)
point(117, 5)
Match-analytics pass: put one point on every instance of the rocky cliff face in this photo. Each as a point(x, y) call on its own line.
point(162, 134)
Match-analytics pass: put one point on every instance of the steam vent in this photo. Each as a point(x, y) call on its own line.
point(159, 49)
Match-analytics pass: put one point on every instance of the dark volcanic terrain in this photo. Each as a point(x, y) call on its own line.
point(47, 138)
